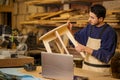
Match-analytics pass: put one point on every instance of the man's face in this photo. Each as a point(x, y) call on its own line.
point(93, 19)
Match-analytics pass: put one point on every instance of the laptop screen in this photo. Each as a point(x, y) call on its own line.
point(57, 66)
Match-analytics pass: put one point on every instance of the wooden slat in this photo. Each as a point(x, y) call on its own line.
point(16, 62)
point(113, 11)
point(59, 18)
point(41, 2)
point(55, 14)
point(112, 21)
point(39, 15)
point(42, 22)
point(61, 41)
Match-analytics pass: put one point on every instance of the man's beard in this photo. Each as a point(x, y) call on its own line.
point(96, 24)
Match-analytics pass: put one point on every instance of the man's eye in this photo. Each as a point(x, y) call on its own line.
point(92, 17)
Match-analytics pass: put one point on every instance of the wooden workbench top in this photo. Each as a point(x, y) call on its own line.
point(77, 71)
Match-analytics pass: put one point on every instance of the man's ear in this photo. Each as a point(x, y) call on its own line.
point(101, 19)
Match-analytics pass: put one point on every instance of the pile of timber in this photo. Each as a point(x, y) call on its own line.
point(80, 20)
point(43, 2)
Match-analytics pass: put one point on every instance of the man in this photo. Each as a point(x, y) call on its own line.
point(97, 40)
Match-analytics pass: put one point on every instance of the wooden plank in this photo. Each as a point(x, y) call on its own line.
point(47, 46)
point(55, 14)
point(60, 18)
point(112, 21)
point(39, 15)
point(113, 11)
point(59, 47)
point(16, 62)
point(58, 36)
point(61, 30)
point(41, 2)
point(65, 14)
point(42, 22)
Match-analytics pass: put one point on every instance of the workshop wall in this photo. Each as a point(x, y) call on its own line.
point(22, 11)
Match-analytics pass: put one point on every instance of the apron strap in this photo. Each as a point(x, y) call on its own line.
point(91, 29)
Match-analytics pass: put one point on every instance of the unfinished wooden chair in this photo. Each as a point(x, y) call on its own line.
point(55, 35)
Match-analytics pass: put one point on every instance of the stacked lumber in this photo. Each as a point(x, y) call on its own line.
point(42, 22)
point(42, 2)
point(47, 18)
point(60, 17)
point(78, 17)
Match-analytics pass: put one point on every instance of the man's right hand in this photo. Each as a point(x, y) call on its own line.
point(69, 25)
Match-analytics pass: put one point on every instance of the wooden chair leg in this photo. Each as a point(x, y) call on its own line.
point(59, 47)
point(70, 36)
point(58, 36)
point(47, 46)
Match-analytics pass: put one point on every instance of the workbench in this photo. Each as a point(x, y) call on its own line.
point(77, 71)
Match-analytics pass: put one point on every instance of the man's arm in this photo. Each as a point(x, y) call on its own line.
point(82, 48)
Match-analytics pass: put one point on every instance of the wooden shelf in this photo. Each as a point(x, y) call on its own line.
point(6, 8)
point(56, 18)
point(38, 2)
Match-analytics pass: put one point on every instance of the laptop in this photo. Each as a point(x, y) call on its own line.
point(57, 66)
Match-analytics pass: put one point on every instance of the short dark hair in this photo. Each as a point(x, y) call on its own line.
point(99, 10)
